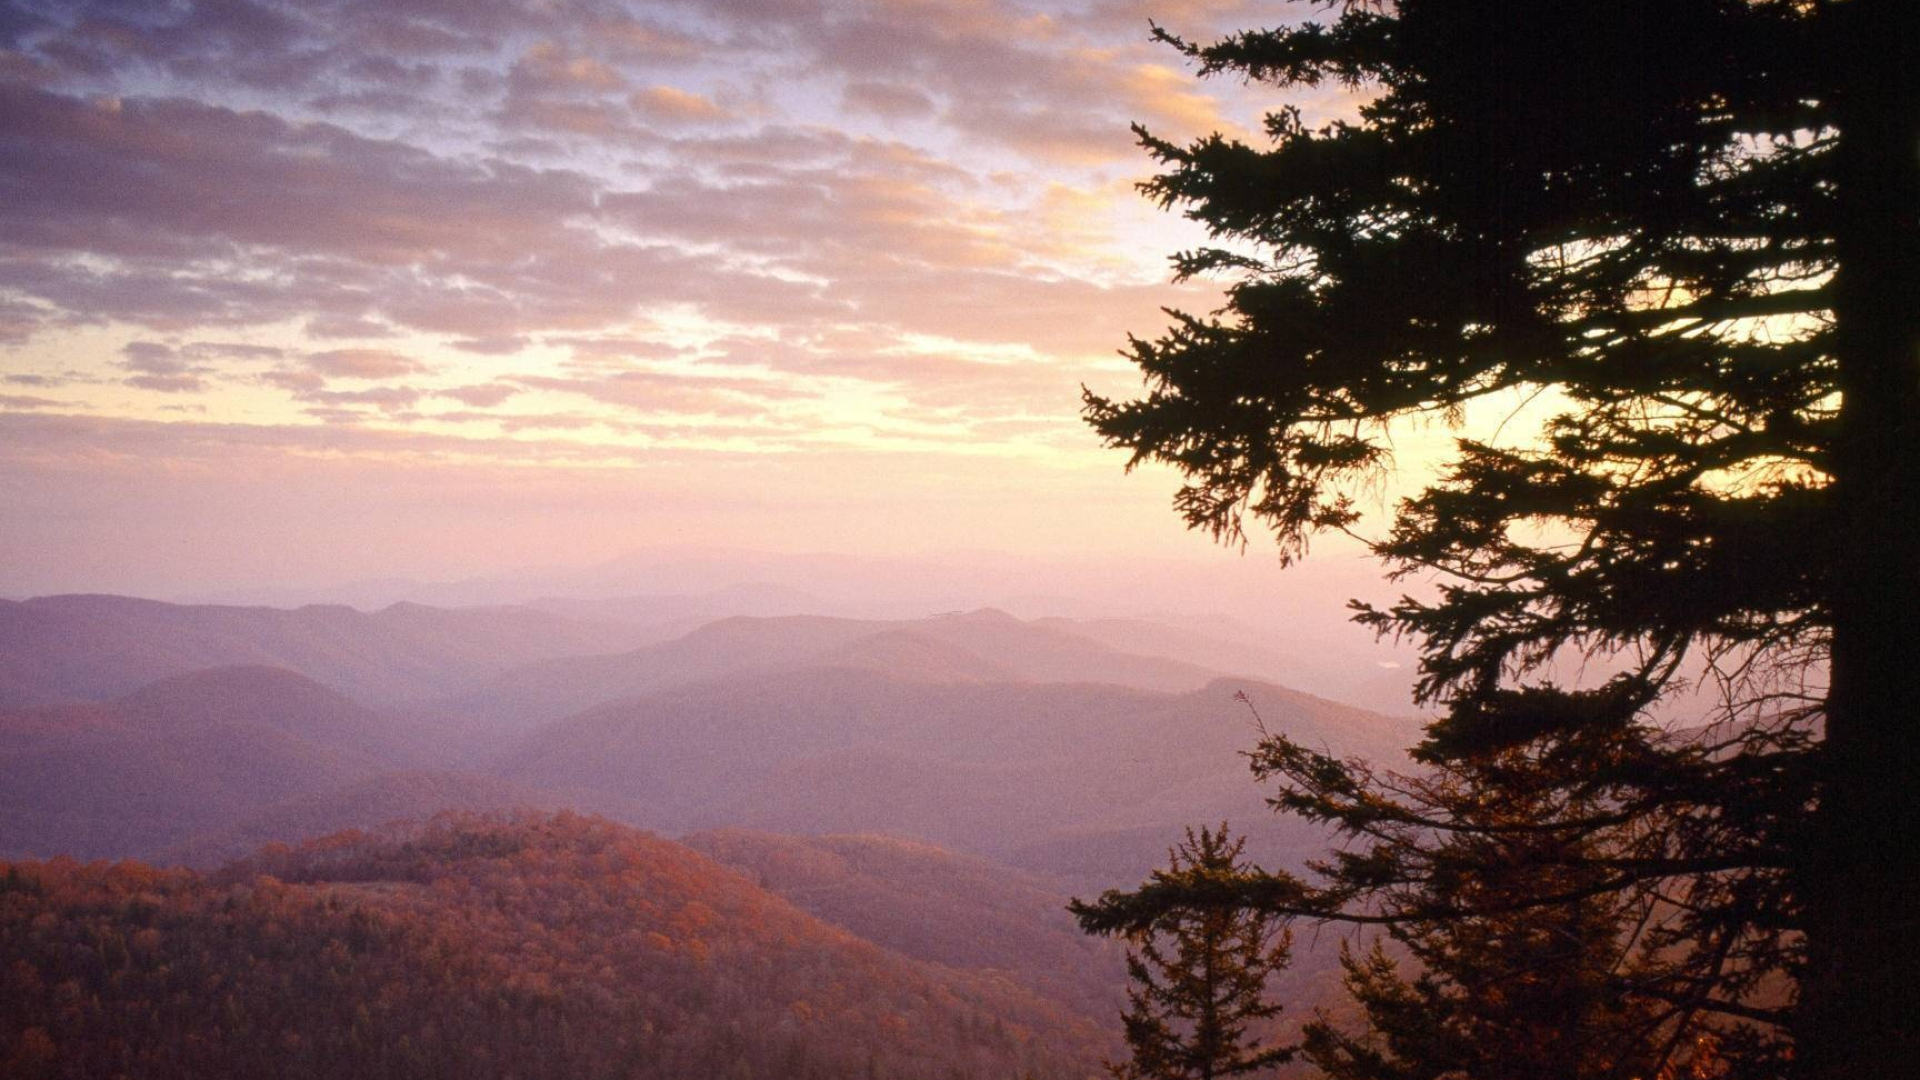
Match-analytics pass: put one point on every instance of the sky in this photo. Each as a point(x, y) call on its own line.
point(318, 290)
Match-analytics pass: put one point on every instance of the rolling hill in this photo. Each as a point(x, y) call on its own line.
point(482, 948)
point(1019, 741)
point(179, 757)
point(377, 800)
point(974, 645)
point(1035, 773)
point(936, 905)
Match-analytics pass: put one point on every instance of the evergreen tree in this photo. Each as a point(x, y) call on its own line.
point(1689, 231)
point(1504, 987)
point(1200, 976)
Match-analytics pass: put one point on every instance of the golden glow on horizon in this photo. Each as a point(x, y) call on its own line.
point(782, 269)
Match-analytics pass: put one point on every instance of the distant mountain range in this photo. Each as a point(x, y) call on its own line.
point(1012, 770)
point(1029, 742)
point(880, 823)
point(933, 905)
point(1291, 627)
point(60, 648)
point(980, 646)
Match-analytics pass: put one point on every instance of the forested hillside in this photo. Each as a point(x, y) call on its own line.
point(990, 767)
point(932, 904)
point(475, 948)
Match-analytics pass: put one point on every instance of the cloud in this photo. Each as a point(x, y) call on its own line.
point(362, 364)
point(613, 350)
point(310, 382)
point(926, 378)
point(28, 401)
point(668, 104)
point(164, 197)
point(656, 392)
point(161, 368)
point(492, 346)
point(144, 177)
point(347, 326)
point(777, 219)
point(297, 381)
point(1053, 86)
point(22, 378)
point(814, 213)
point(167, 384)
point(389, 398)
point(889, 99)
point(175, 212)
point(236, 350)
point(482, 395)
point(549, 68)
point(18, 321)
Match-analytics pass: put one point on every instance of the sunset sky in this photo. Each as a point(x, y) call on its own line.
point(336, 288)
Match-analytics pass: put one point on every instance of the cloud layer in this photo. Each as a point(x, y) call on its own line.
point(705, 228)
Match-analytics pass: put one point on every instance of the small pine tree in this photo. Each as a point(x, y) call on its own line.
point(1200, 976)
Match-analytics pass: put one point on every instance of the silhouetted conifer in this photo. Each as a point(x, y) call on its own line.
point(1200, 977)
point(1514, 959)
point(1686, 233)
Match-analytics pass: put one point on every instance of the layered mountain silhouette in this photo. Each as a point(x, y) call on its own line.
point(66, 648)
point(880, 823)
point(1023, 742)
point(1087, 779)
point(399, 795)
point(982, 645)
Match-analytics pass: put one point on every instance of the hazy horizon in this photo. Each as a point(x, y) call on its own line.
point(302, 296)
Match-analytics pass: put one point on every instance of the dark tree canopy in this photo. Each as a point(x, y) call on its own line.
point(1497, 877)
point(1492, 875)
point(1688, 230)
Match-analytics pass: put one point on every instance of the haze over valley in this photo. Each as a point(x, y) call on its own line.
point(137, 728)
point(904, 804)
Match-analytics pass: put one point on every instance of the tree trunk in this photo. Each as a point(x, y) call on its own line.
point(1857, 1010)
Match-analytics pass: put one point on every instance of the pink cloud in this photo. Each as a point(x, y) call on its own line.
point(481, 396)
point(889, 99)
point(660, 392)
point(493, 193)
point(389, 398)
point(28, 401)
point(346, 326)
point(161, 368)
point(362, 364)
point(669, 104)
point(492, 346)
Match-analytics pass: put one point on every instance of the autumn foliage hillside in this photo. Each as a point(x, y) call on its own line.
point(476, 947)
point(931, 904)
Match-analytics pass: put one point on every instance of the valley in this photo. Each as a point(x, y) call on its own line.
point(844, 824)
